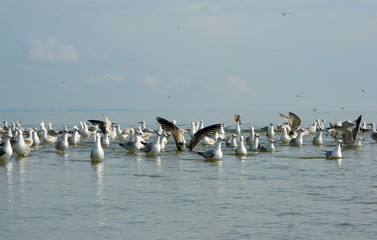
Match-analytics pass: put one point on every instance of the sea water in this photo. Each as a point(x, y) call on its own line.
point(293, 193)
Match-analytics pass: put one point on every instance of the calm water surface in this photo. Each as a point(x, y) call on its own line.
point(294, 193)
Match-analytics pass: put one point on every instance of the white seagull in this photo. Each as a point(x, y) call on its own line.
point(241, 149)
point(298, 141)
point(215, 153)
point(7, 151)
point(250, 138)
point(97, 153)
point(270, 131)
point(62, 143)
point(20, 147)
point(285, 138)
point(154, 148)
point(337, 152)
point(373, 135)
point(317, 140)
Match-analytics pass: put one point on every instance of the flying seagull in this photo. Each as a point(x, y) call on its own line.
point(285, 13)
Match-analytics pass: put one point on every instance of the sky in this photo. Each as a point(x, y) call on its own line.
point(169, 54)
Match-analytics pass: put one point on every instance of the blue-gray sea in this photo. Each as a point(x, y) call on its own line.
point(293, 193)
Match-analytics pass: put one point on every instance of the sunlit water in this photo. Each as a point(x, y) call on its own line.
point(294, 193)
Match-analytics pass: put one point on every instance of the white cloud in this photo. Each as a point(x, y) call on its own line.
point(50, 51)
point(151, 81)
point(106, 77)
point(239, 85)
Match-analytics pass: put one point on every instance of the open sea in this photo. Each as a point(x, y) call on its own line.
point(293, 193)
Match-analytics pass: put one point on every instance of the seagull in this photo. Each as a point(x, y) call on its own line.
point(241, 149)
point(312, 129)
point(84, 130)
point(62, 143)
point(178, 132)
point(104, 125)
point(250, 138)
point(145, 129)
point(47, 138)
point(134, 145)
point(52, 131)
point(237, 118)
point(317, 140)
point(298, 141)
point(373, 135)
point(357, 143)
point(35, 137)
point(154, 148)
point(269, 148)
point(215, 153)
point(232, 142)
point(285, 13)
point(163, 140)
point(349, 131)
point(75, 138)
point(270, 131)
point(293, 122)
point(192, 129)
point(7, 151)
point(285, 138)
point(105, 141)
point(336, 153)
point(255, 145)
point(20, 147)
point(97, 153)
point(237, 131)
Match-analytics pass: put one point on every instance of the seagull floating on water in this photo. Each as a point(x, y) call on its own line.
point(232, 142)
point(20, 147)
point(337, 152)
point(317, 140)
point(241, 149)
point(134, 145)
point(215, 153)
point(62, 143)
point(298, 141)
point(97, 153)
point(270, 131)
point(7, 151)
point(373, 135)
point(269, 148)
point(285, 138)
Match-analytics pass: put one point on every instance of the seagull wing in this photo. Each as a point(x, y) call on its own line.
point(208, 154)
point(108, 123)
point(177, 132)
point(101, 124)
point(295, 121)
point(199, 135)
point(356, 129)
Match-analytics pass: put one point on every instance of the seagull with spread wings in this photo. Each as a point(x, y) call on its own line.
point(178, 132)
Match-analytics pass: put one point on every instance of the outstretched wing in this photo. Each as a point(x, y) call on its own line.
point(356, 129)
point(199, 135)
point(101, 124)
point(172, 129)
point(295, 121)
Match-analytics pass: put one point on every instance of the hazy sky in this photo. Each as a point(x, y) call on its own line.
point(166, 54)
